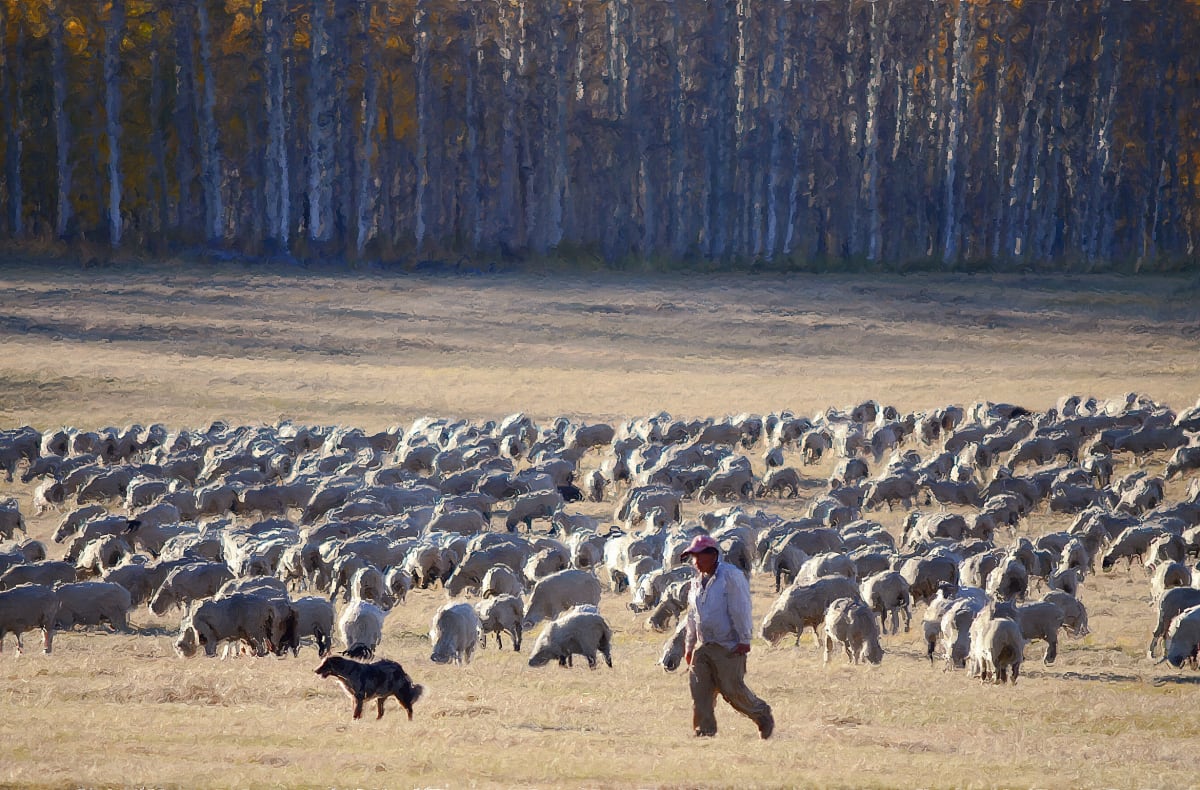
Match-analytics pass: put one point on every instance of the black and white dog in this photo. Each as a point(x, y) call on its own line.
point(377, 680)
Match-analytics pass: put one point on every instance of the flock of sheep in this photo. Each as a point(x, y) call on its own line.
point(269, 537)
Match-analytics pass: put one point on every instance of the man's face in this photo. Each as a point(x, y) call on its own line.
point(705, 561)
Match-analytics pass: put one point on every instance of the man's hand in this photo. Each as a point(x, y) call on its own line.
point(742, 649)
point(687, 658)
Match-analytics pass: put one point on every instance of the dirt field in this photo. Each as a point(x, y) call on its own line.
point(163, 344)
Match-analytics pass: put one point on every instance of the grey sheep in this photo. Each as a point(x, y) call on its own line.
point(887, 593)
point(803, 606)
point(454, 633)
point(559, 592)
point(92, 603)
point(26, 607)
point(501, 614)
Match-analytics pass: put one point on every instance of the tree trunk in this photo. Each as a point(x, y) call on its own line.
point(114, 30)
point(950, 215)
point(878, 33)
point(320, 130)
point(421, 66)
point(364, 202)
point(62, 127)
point(277, 178)
point(211, 170)
point(14, 101)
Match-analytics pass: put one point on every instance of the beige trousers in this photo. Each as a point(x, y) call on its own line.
point(718, 670)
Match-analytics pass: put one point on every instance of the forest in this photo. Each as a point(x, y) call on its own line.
point(680, 133)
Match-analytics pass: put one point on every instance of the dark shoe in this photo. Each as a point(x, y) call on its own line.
point(766, 726)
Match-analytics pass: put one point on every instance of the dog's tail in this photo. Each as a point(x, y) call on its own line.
point(414, 693)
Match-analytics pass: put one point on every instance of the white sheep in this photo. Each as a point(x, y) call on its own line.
point(501, 580)
point(560, 591)
point(887, 593)
point(851, 623)
point(997, 646)
point(579, 631)
point(361, 628)
point(454, 633)
point(189, 583)
point(314, 617)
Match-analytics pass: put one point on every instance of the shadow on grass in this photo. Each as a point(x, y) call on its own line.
point(1176, 680)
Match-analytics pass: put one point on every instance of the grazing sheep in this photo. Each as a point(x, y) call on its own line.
point(93, 603)
point(956, 630)
point(560, 591)
point(1173, 601)
point(368, 584)
point(1075, 621)
point(454, 633)
point(537, 504)
point(887, 593)
point(189, 583)
point(578, 631)
point(803, 606)
point(1065, 579)
point(46, 573)
point(1183, 637)
point(361, 628)
point(779, 480)
point(478, 561)
point(501, 614)
point(398, 582)
point(997, 646)
point(11, 519)
point(925, 574)
point(259, 621)
point(314, 617)
point(26, 607)
point(671, 655)
point(851, 623)
point(1038, 620)
point(1168, 575)
point(501, 580)
point(1008, 580)
point(828, 563)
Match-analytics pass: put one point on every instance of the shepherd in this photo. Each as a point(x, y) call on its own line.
point(717, 640)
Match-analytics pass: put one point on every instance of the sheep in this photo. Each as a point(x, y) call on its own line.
point(1065, 579)
point(925, 574)
point(1008, 580)
point(544, 562)
point(501, 614)
point(397, 582)
point(996, 647)
point(536, 504)
point(91, 603)
point(887, 592)
point(560, 591)
point(501, 580)
point(956, 630)
point(803, 606)
point(1075, 620)
point(11, 519)
point(361, 628)
point(671, 654)
point(1184, 459)
point(580, 630)
point(779, 480)
point(1183, 637)
point(314, 617)
point(1038, 620)
point(1173, 601)
point(189, 583)
point(470, 572)
point(1168, 575)
point(851, 623)
point(454, 633)
point(46, 572)
point(102, 554)
point(368, 584)
point(262, 622)
point(1131, 544)
point(26, 607)
point(829, 563)
point(649, 590)
point(672, 606)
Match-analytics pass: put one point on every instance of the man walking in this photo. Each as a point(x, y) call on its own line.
point(718, 639)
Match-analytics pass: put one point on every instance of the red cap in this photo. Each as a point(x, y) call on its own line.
point(700, 543)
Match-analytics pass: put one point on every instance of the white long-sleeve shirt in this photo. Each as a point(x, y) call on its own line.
point(719, 609)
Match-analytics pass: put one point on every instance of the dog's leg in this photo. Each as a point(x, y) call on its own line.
point(380, 700)
point(358, 706)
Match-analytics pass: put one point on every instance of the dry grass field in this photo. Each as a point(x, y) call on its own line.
point(185, 347)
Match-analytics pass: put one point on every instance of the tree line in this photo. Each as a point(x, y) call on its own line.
point(1014, 132)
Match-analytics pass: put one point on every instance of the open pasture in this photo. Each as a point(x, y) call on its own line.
point(184, 347)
